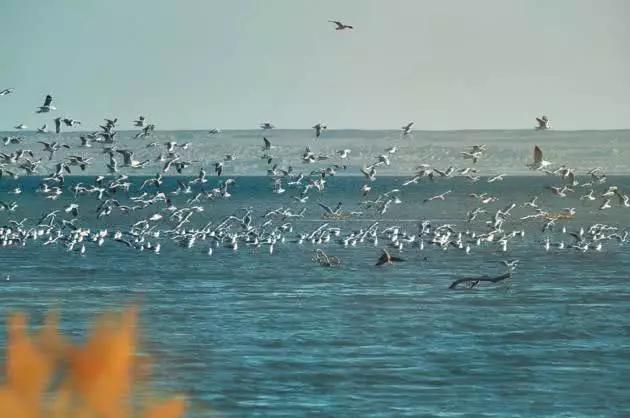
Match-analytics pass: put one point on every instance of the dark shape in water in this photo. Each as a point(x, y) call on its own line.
point(474, 281)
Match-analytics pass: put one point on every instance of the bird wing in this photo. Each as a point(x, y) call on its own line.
point(620, 196)
point(267, 143)
point(326, 208)
point(382, 259)
point(396, 259)
point(496, 279)
point(48, 100)
point(336, 22)
point(480, 279)
point(538, 155)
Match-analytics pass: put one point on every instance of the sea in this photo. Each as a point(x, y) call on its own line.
point(248, 333)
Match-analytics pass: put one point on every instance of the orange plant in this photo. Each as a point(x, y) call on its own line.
point(48, 377)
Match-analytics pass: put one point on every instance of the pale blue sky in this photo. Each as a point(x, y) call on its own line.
point(234, 63)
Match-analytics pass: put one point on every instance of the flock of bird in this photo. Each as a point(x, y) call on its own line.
point(179, 215)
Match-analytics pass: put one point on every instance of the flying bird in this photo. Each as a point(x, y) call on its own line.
point(267, 144)
point(543, 123)
point(341, 26)
point(47, 107)
point(406, 130)
point(139, 122)
point(57, 125)
point(6, 91)
point(318, 129)
point(539, 163)
point(267, 125)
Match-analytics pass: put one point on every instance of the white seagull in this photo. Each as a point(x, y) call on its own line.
point(319, 127)
point(539, 163)
point(47, 107)
point(543, 123)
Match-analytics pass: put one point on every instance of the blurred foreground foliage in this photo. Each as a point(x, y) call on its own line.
point(46, 376)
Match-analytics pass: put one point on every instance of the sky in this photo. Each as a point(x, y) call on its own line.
point(232, 64)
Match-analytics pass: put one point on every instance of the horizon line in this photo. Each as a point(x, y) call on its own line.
point(328, 130)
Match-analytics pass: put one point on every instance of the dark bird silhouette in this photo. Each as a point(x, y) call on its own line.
point(474, 281)
point(386, 258)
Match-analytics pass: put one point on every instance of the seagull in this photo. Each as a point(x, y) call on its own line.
point(47, 107)
point(43, 129)
point(12, 140)
point(139, 122)
point(532, 203)
point(510, 264)
point(406, 130)
point(85, 141)
point(543, 123)
point(560, 191)
point(113, 164)
point(496, 178)
point(474, 281)
point(441, 196)
point(72, 208)
point(330, 211)
point(6, 91)
point(52, 147)
point(266, 125)
point(277, 186)
point(386, 258)
point(413, 180)
point(57, 125)
point(344, 153)
point(589, 196)
point(214, 131)
point(369, 173)
point(538, 163)
point(71, 122)
point(267, 144)
point(475, 156)
point(318, 129)
point(127, 157)
point(341, 26)
point(21, 127)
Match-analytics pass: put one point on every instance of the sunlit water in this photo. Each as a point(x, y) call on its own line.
point(251, 334)
point(508, 151)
